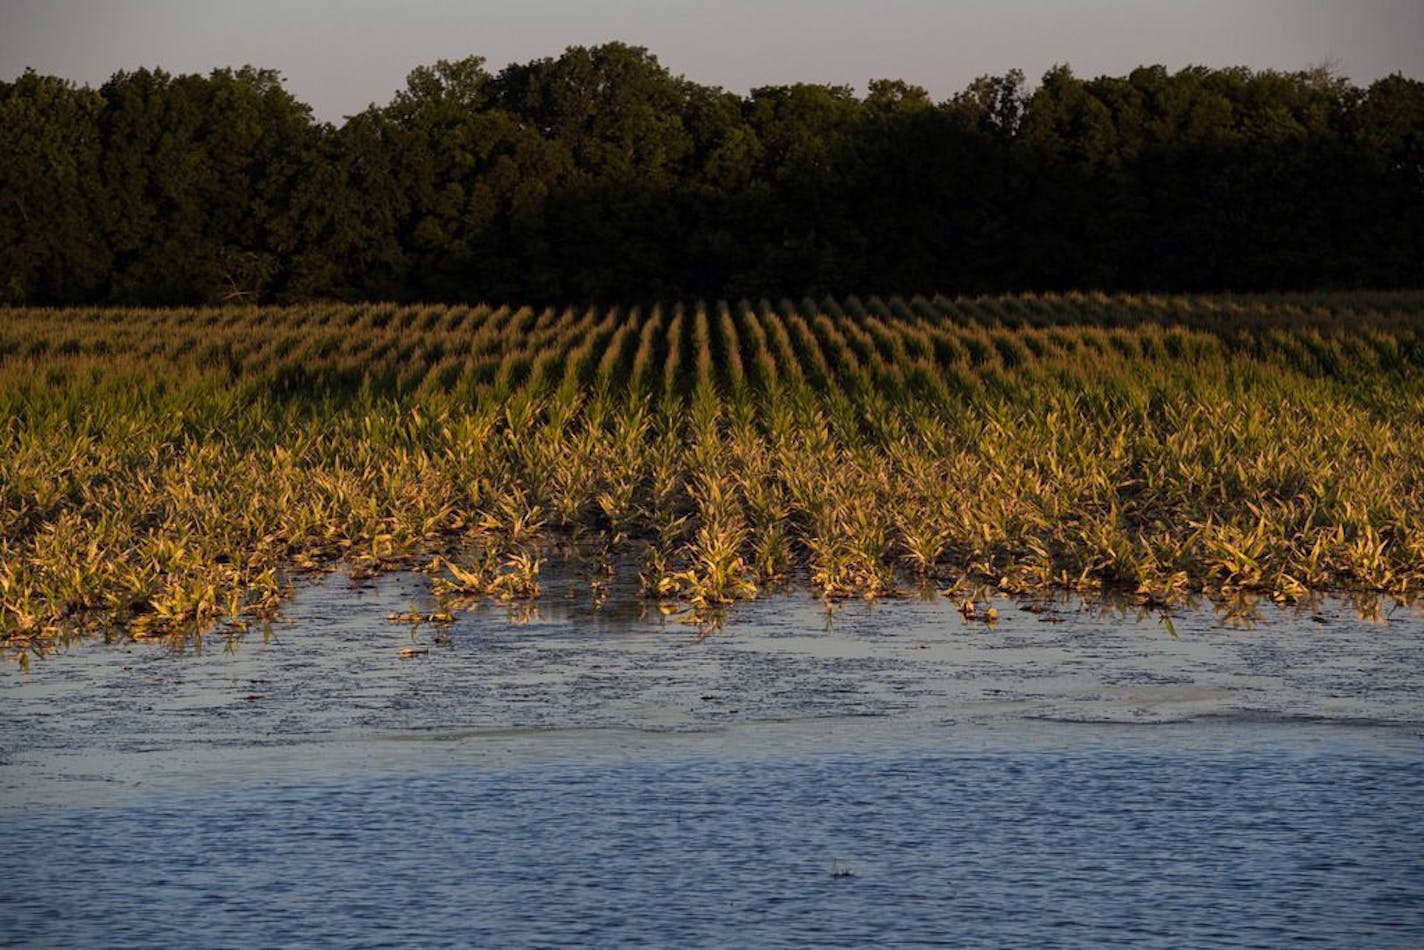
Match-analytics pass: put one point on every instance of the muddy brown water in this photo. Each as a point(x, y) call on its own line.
point(559, 774)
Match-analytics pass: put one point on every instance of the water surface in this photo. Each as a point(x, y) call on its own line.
point(889, 774)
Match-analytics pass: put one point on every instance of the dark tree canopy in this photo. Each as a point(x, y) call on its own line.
point(600, 176)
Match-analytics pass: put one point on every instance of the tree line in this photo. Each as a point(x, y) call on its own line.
point(600, 176)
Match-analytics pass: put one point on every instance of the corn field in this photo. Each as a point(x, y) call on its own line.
point(165, 472)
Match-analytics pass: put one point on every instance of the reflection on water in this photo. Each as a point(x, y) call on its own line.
point(555, 773)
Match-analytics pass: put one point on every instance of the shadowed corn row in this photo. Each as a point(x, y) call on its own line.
point(165, 471)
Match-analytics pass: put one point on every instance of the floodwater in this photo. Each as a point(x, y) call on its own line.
point(879, 774)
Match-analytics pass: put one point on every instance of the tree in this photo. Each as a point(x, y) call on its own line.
point(202, 176)
point(51, 201)
point(598, 175)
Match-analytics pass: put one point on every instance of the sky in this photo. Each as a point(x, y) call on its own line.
point(341, 55)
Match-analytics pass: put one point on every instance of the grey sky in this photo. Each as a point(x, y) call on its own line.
point(341, 55)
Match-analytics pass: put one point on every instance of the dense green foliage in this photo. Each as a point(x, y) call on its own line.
point(165, 470)
point(599, 176)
